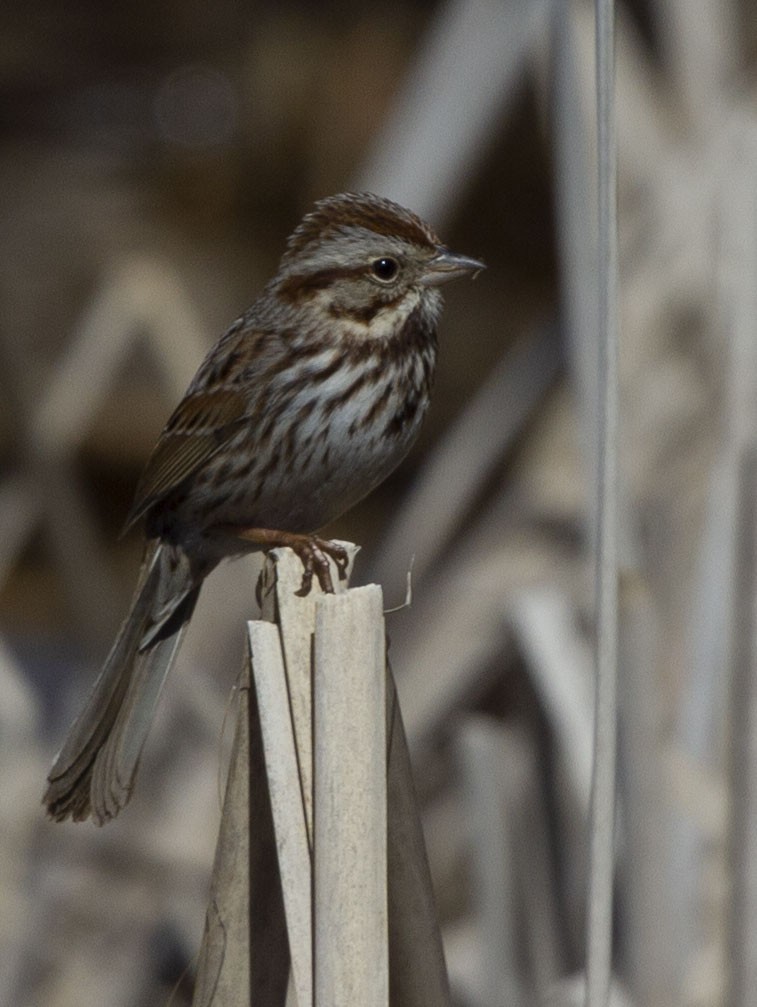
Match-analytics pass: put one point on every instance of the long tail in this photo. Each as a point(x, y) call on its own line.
point(93, 774)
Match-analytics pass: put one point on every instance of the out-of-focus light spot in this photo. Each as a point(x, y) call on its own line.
point(196, 106)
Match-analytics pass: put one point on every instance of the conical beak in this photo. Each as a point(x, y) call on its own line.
point(448, 266)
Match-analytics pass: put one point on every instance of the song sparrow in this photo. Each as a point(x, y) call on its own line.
point(307, 402)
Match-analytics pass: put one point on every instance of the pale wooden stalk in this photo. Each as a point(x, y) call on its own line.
point(602, 812)
point(739, 301)
point(263, 855)
point(742, 945)
point(295, 616)
point(244, 957)
point(286, 801)
point(362, 928)
point(645, 870)
point(417, 972)
point(350, 915)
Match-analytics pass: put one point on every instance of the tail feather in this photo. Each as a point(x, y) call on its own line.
point(115, 767)
point(93, 774)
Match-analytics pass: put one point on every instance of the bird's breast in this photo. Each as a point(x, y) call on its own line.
point(316, 448)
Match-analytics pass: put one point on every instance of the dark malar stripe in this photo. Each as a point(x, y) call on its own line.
point(368, 312)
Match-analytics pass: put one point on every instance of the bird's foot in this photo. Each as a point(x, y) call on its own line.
point(312, 550)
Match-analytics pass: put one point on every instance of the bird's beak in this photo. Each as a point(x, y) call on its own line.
point(445, 265)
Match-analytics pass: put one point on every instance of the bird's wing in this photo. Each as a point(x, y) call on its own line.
point(201, 425)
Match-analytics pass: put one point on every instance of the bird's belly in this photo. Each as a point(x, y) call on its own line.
point(308, 471)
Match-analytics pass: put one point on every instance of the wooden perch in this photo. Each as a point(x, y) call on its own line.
point(321, 866)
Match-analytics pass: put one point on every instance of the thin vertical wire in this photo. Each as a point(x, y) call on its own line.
point(742, 952)
point(602, 813)
point(739, 307)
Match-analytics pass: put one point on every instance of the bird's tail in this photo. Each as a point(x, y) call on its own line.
point(93, 774)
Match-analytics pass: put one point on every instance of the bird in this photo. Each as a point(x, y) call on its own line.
point(302, 407)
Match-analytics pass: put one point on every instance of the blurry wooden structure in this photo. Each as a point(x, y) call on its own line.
point(503, 579)
point(503, 600)
point(139, 300)
point(320, 867)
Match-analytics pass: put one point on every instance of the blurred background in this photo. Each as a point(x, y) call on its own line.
point(154, 159)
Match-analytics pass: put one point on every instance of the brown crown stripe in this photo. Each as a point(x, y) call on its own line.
point(363, 210)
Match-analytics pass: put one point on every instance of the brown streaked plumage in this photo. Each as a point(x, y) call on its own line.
point(304, 405)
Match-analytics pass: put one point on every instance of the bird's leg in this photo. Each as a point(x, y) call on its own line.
point(311, 550)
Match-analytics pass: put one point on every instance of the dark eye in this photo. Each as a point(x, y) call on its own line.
point(385, 269)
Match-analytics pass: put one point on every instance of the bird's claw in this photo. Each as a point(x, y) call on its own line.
point(314, 553)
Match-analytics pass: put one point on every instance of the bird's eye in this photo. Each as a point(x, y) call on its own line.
point(385, 269)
